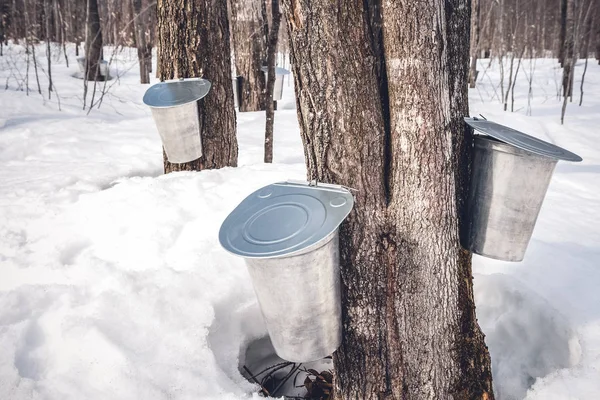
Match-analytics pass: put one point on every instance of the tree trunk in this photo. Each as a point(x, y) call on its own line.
point(569, 49)
point(93, 44)
point(140, 41)
point(597, 32)
point(4, 12)
point(48, 49)
point(409, 321)
point(271, 55)
point(475, 30)
point(248, 23)
point(193, 41)
point(562, 36)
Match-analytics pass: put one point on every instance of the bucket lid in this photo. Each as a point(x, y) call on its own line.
point(278, 70)
point(284, 218)
point(176, 93)
point(521, 140)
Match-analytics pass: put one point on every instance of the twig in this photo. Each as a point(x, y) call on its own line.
point(265, 391)
point(287, 377)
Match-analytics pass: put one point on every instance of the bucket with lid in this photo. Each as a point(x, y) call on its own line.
point(287, 234)
point(510, 176)
point(174, 106)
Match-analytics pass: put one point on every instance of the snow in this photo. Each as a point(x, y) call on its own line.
point(113, 284)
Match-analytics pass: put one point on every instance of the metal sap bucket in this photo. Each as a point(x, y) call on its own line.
point(280, 74)
point(174, 106)
point(237, 87)
point(103, 66)
point(510, 176)
point(287, 233)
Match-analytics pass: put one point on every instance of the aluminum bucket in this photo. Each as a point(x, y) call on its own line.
point(508, 187)
point(237, 86)
point(287, 233)
point(277, 87)
point(103, 66)
point(174, 106)
point(300, 300)
point(179, 130)
point(280, 74)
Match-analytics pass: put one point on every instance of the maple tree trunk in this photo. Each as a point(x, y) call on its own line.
point(193, 41)
point(272, 53)
point(381, 102)
point(475, 30)
point(93, 44)
point(249, 29)
point(569, 49)
point(143, 50)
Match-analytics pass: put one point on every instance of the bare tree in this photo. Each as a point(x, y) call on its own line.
point(381, 90)
point(249, 30)
point(193, 41)
point(93, 44)
point(271, 58)
point(475, 33)
point(144, 49)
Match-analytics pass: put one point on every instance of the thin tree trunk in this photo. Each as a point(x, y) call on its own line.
point(249, 31)
point(3, 18)
point(512, 88)
point(569, 49)
point(93, 43)
point(271, 54)
point(48, 49)
point(562, 36)
point(35, 68)
point(409, 326)
point(510, 79)
point(140, 41)
point(193, 41)
point(597, 32)
point(63, 34)
point(475, 31)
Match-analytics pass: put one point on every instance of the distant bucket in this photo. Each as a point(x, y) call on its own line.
point(510, 176)
point(103, 66)
point(174, 106)
point(280, 74)
point(237, 87)
point(287, 233)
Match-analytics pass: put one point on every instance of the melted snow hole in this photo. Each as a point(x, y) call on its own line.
point(527, 337)
point(260, 354)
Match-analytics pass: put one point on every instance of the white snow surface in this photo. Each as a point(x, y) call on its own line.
point(113, 284)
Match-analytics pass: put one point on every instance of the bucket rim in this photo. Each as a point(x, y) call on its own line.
point(298, 217)
point(523, 141)
point(176, 92)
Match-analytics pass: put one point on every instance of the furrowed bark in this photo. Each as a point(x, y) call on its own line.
point(272, 53)
point(249, 23)
point(381, 90)
point(193, 37)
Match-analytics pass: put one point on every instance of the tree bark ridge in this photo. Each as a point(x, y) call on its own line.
point(380, 108)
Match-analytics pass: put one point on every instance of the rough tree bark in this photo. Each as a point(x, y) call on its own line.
point(475, 30)
point(381, 90)
point(569, 49)
point(271, 55)
point(562, 35)
point(597, 33)
point(3, 20)
point(144, 51)
point(193, 41)
point(93, 43)
point(249, 29)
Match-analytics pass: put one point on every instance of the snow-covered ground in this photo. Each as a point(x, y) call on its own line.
point(113, 284)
